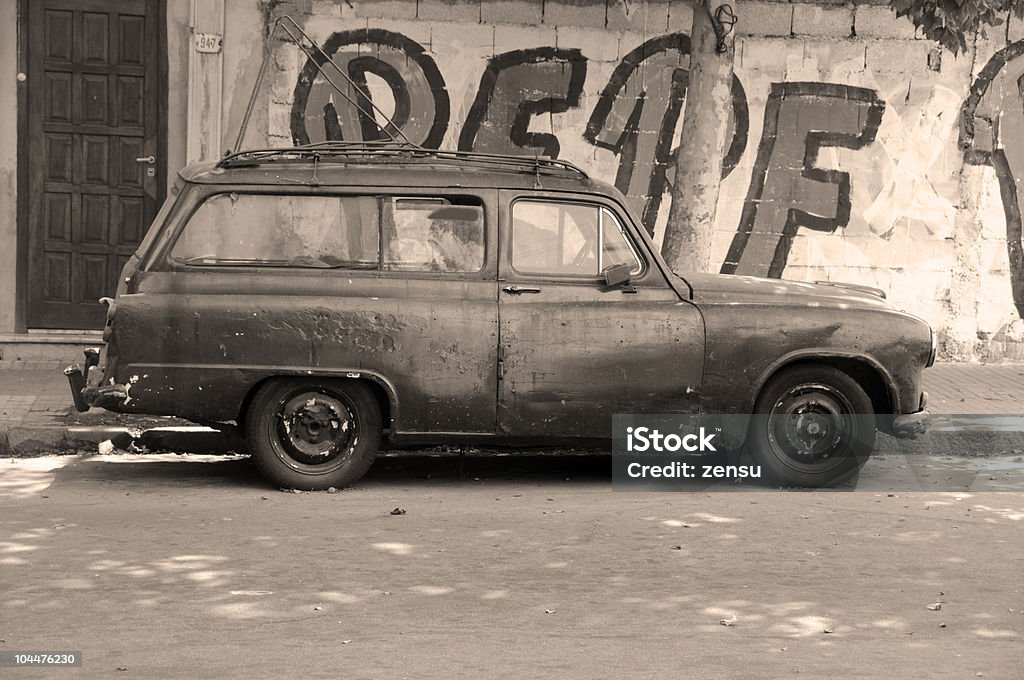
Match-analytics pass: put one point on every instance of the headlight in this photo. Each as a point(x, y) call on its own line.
point(935, 346)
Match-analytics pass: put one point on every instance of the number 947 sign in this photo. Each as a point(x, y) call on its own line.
point(209, 42)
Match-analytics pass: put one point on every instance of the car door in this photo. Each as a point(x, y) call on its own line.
point(573, 350)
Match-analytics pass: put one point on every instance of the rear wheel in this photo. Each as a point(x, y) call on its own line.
point(312, 433)
point(812, 426)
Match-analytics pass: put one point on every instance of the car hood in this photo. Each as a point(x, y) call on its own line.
point(732, 289)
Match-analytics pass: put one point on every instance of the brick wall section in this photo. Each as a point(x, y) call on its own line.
point(387, 9)
point(649, 18)
point(582, 13)
point(911, 57)
point(448, 10)
point(529, 12)
point(653, 16)
point(835, 21)
point(765, 18)
point(822, 18)
point(875, 21)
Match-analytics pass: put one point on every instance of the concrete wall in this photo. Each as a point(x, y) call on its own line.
point(8, 159)
point(846, 161)
point(179, 36)
point(851, 158)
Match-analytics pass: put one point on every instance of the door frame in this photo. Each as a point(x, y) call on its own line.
point(21, 285)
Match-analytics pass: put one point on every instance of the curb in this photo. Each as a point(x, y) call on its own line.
point(954, 434)
point(963, 444)
point(28, 441)
point(949, 435)
point(38, 440)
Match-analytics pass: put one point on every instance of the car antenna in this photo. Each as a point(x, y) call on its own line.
point(290, 28)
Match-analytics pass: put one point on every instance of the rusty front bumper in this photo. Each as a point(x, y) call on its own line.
point(913, 425)
point(86, 388)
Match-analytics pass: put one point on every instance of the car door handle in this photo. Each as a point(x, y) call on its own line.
point(519, 290)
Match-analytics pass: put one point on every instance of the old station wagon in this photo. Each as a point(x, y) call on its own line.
point(328, 298)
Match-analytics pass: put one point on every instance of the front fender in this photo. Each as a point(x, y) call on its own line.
point(747, 344)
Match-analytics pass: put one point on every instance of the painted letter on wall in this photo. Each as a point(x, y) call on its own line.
point(992, 133)
point(787, 188)
point(421, 105)
point(516, 87)
point(636, 117)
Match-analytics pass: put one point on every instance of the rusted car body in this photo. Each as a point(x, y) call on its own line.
point(519, 337)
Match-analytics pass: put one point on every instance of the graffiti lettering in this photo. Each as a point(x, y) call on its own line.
point(637, 114)
point(787, 188)
point(992, 133)
point(421, 106)
point(516, 87)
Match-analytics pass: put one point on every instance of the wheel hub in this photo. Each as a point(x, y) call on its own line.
point(315, 428)
point(808, 424)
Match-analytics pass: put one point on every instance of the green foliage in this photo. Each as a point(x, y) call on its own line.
point(950, 22)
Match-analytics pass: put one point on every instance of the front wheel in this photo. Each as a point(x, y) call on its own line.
point(813, 426)
point(313, 433)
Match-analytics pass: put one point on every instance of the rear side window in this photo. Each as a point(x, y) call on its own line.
point(161, 217)
point(423, 234)
point(443, 234)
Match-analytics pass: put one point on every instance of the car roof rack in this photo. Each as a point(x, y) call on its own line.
point(398, 153)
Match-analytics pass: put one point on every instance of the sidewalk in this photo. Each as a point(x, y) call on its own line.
point(38, 418)
point(36, 415)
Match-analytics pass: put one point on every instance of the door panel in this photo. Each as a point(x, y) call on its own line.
point(575, 352)
point(198, 342)
point(92, 103)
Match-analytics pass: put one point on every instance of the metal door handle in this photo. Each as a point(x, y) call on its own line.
point(151, 160)
point(519, 290)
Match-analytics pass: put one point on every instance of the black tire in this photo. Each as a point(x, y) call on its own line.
point(313, 433)
point(813, 426)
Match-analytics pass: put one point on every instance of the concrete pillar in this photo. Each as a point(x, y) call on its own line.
point(8, 162)
point(205, 83)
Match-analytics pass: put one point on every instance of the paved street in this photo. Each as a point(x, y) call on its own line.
point(190, 566)
point(163, 566)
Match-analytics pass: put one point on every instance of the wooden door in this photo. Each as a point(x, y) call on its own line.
point(94, 171)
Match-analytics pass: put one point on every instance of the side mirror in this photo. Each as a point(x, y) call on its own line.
point(617, 274)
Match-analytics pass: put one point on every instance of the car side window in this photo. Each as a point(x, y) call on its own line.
point(281, 230)
point(341, 232)
point(572, 239)
point(433, 234)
